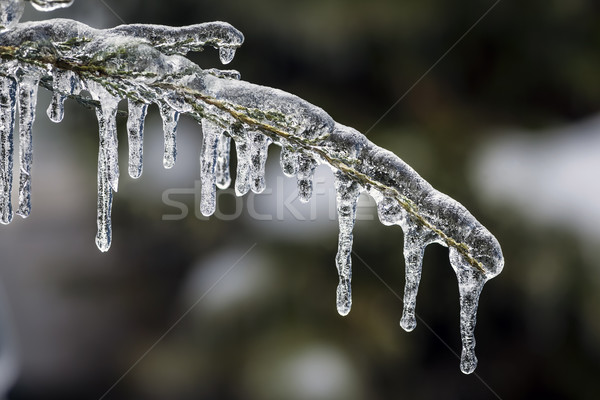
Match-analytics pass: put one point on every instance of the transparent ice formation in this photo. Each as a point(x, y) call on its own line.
point(28, 82)
point(347, 190)
point(135, 128)
point(170, 119)
point(49, 5)
point(259, 145)
point(10, 13)
point(145, 65)
point(223, 178)
point(208, 162)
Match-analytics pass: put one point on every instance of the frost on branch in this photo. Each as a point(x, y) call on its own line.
point(144, 64)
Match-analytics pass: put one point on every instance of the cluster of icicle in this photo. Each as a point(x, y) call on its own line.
point(145, 64)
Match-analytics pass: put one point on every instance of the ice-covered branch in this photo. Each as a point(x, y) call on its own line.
point(145, 64)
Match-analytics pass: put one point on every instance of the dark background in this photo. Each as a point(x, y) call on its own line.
point(525, 76)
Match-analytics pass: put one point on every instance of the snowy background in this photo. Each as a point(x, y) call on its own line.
point(508, 123)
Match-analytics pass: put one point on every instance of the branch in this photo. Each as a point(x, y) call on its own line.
point(143, 63)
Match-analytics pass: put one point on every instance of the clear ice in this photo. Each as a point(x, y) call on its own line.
point(10, 13)
point(49, 5)
point(242, 147)
point(226, 54)
point(28, 86)
point(306, 171)
point(208, 162)
point(170, 118)
point(347, 192)
point(8, 99)
point(470, 284)
point(108, 162)
point(289, 161)
point(259, 146)
point(135, 127)
point(222, 167)
point(146, 64)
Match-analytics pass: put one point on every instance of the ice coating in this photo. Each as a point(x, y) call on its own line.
point(28, 86)
point(347, 192)
point(8, 89)
point(222, 167)
point(170, 40)
point(135, 127)
point(259, 145)
point(208, 161)
point(170, 119)
point(143, 63)
point(49, 5)
point(10, 13)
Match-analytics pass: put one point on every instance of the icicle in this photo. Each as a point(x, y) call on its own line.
point(65, 82)
point(222, 168)
point(389, 211)
point(306, 169)
point(170, 119)
point(56, 109)
point(415, 240)
point(470, 283)
point(259, 146)
point(105, 197)
point(28, 88)
point(8, 89)
point(107, 114)
point(135, 126)
point(347, 191)
point(108, 160)
point(208, 160)
point(226, 54)
point(414, 249)
point(289, 161)
point(242, 146)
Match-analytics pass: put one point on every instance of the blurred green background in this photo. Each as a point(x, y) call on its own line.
point(506, 123)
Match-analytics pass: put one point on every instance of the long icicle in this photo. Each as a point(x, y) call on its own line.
point(242, 147)
point(347, 191)
point(222, 167)
point(208, 160)
point(470, 284)
point(414, 249)
point(108, 161)
point(28, 88)
point(8, 89)
point(259, 146)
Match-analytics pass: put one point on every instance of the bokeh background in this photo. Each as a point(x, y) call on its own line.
point(242, 306)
